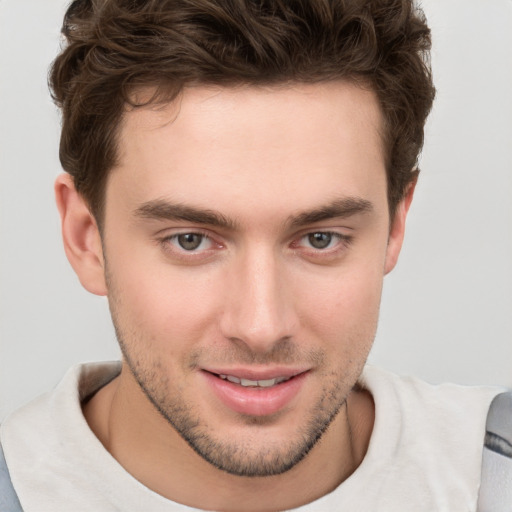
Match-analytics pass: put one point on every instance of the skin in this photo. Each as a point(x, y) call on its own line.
point(284, 170)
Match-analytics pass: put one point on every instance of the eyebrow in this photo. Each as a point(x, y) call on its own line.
point(337, 209)
point(163, 210)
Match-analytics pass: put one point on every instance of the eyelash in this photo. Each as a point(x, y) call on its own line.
point(182, 253)
point(341, 239)
point(342, 242)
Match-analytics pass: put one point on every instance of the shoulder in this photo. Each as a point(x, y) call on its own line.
point(441, 417)
point(50, 432)
point(8, 497)
point(431, 436)
point(417, 399)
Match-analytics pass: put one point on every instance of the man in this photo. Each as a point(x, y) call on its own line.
point(238, 181)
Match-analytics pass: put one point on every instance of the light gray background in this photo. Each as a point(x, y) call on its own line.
point(447, 308)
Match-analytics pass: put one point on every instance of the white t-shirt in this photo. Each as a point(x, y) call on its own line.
point(424, 455)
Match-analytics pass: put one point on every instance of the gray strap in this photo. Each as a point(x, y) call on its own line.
point(496, 482)
point(8, 498)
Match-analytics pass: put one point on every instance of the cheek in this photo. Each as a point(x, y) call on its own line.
point(161, 306)
point(344, 308)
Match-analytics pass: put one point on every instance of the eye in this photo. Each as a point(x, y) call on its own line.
point(190, 241)
point(320, 240)
point(190, 247)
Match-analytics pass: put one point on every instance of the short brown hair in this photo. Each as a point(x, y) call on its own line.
point(115, 47)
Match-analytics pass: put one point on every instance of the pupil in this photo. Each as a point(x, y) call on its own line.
point(190, 241)
point(320, 240)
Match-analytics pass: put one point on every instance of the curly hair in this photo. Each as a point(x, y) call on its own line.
point(115, 47)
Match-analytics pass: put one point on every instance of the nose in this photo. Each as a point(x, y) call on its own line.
point(259, 308)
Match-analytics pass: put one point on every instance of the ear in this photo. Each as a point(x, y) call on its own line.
point(397, 231)
point(81, 236)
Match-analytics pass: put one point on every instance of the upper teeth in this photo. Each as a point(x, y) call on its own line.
point(254, 383)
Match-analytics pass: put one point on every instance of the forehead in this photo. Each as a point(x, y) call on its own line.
point(224, 144)
point(321, 106)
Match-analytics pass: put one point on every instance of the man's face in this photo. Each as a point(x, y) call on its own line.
point(246, 238)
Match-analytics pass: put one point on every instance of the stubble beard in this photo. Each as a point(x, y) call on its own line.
point(236, 458)
point(240, 459)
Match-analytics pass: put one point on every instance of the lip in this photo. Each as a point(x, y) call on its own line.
point(256, 401)
point(255, 373)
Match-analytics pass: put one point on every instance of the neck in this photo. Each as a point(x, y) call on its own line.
point(148, 447)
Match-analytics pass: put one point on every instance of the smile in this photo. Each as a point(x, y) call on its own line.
point(266, 383)
point(256, 393)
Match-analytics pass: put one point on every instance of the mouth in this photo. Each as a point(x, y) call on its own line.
point(256, 393)
point(248, 383)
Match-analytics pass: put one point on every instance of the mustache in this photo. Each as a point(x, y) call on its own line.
point(284, 352)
